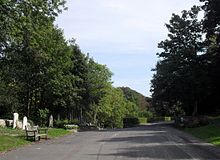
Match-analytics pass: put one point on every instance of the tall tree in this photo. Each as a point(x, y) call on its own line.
point(177, 77)
point(211, 26)
point(24, 26)
point(97, 80)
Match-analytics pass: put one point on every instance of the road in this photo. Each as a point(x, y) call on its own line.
point(150, 142)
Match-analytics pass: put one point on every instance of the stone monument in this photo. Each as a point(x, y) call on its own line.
point(15, 119)
point(51, 121)
point(24, 122)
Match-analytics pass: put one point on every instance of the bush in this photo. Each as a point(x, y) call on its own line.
point(43, 114)
point(142, 120)
point(191, 121)
point(167, 119)
point(66, 123)
point(130, 122)
point(156, 119)
point(71, 126)
point(60, 123)
point(74, 121)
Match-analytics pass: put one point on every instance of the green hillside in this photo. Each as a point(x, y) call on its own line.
point(140, 100)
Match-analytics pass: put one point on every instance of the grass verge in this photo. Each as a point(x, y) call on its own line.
point(13, 138)
point(209, 133)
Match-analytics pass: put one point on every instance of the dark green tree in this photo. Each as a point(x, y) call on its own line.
point(211, 27)
point(178, 72)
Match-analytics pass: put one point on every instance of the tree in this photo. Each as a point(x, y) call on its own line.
point(177, 78)
point(80, 71)
point(24, 26)
point(97, 80)
point(211, 27)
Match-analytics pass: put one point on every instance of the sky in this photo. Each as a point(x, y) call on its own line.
point(122, 34)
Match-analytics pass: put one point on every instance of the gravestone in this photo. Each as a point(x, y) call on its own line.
point(15, 119)
point(51, 121)
point(24, 122)
point(19, 124)
point(9, 123)
point(2, 123)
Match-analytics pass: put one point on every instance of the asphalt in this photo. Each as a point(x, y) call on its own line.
point(149, 142)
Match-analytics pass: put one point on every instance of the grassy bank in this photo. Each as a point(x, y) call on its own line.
point(13, 138)
point(209, 133)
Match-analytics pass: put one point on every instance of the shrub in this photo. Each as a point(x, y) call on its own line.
point(60, 123)
point(74, 121)
point(43, 114)
point(191, 121)
point(71, 126)
point(130, 122)
point(167, 119)
point(142, 120)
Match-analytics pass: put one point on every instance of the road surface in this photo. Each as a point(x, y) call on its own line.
point(150, 142)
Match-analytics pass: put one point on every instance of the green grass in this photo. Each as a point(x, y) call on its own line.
point(13, 138)
point(209, 133)
point(57, 132)
point(9, 142)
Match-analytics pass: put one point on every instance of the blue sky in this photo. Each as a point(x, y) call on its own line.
point(123, 34)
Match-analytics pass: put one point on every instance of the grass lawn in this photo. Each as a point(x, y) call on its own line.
point(209, 133)
point(13, 138)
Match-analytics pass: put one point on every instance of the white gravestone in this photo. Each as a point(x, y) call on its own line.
point(24, 122)
point(15, 119)
point(19, 124)
point(51, 121)
point(2, 123)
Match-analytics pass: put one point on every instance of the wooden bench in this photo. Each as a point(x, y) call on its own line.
point(36, 133)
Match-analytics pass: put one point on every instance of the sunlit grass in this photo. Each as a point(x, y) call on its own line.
point(13, 138)
point(56, 132)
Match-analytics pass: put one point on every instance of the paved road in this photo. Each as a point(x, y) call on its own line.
point(153, 142)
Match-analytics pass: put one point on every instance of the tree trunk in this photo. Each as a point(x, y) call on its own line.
point(58, 117)
point(29, 102)
point(81, 116)
point(195, 109)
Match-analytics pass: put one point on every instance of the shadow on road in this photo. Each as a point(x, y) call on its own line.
point(156, 142)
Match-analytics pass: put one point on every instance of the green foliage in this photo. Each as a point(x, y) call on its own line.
point(130, 122)
point(42, 73)
point(186, 79)
point(71, 126)
point(60, 123)
point(167, 119)
point(146, 114)
point(209, 133)
point(63, 123)
point(112, 109)
point(142, 120)
point(43, 116)
point(180, 76)
point(142, 102)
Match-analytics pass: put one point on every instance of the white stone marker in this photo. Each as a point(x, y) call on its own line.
point(15, 119)
point(24, 122)
point(51, 121)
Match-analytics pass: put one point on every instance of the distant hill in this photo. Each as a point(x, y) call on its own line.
point(139, 99)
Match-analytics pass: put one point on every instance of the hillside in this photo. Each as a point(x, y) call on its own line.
point(139, 99)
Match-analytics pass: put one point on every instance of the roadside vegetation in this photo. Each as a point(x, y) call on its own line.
point(13, 138)
point(39, 79)
point(209, 133)
point(186, 76)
